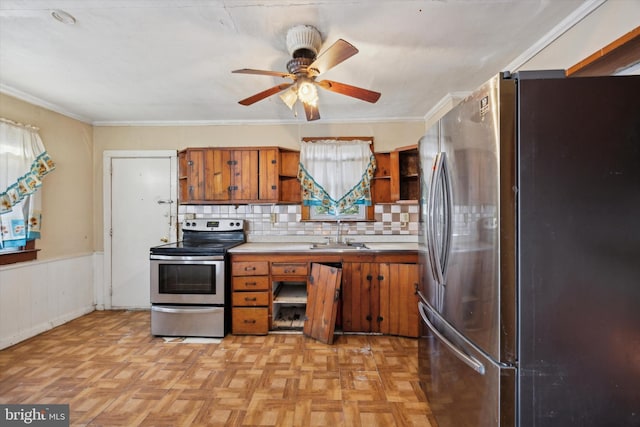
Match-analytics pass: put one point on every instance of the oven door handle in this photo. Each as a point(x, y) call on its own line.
point(192, 309)
point(186, 258)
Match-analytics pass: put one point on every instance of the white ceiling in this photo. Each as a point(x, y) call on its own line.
point(152, 61)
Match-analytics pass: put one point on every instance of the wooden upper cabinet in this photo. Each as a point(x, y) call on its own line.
point(289, 186)
point(397, 176)
point(381, 182)
point(218, 173)
point(269, 171)
point(243, 168)
point(195, 174)
point(234, 175)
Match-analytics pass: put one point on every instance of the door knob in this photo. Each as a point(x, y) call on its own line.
point(164, 239)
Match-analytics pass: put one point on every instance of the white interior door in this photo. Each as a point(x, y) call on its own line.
point(142, 213)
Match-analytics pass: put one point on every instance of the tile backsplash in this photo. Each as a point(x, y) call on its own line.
point(264, 221)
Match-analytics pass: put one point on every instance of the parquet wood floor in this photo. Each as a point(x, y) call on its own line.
point(112, 372)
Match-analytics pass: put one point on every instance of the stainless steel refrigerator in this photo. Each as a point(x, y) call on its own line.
point(530, 254)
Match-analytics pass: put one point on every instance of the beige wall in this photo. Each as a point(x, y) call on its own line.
point(609, 22)
point(67, 193)
point(387, 136)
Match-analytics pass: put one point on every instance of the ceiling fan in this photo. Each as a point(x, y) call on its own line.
point(303, 43)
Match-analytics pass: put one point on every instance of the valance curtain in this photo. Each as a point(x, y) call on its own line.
point(23, 163)
point(336, 174)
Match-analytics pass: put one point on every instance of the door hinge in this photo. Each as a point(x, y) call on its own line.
point(111, 232)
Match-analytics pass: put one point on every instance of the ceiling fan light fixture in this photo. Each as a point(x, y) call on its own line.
point(289, 97)
point(307, 92)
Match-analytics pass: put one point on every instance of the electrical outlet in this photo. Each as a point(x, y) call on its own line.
point(274, 218)
point(404, 217)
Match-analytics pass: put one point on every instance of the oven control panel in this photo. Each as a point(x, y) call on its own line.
point(213, 224)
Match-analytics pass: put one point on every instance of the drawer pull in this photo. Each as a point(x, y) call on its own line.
point(293, 270)
point(249, 268)
point(249, 320)
point(250, 299)
point(250, 283)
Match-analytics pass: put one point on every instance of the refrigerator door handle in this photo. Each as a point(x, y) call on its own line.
point(470, 361)
point(429, 220)
point(434, 256)
point(439, 250)
point(448, 209)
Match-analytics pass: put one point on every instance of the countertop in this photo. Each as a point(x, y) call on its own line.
point(257, 247)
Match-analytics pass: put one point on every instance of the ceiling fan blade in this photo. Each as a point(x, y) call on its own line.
point(265, 93)
point(263, 73)
point(335, 54)
point(353, 91)
point(311, 111)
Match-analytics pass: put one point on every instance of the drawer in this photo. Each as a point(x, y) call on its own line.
point(250, 283)
point(250, 321)
point(289, 268)
point(249, 268)
point(250, 299)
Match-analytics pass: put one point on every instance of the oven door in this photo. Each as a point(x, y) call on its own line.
point(196, 280)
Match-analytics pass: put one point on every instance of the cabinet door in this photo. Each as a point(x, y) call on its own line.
point(398, 300)
point(322, 304)
point(243, 167)
point(218, 174)
point(360, 297)
point(195, 174)
point(268, 178)
point(290, 189)
point(405, 182)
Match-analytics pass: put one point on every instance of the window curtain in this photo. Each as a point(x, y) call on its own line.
point(23, 163)
point(336, 174)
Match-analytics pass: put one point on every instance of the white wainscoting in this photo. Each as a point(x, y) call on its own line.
point(40, 295)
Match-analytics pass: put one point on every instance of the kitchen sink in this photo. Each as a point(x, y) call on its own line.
point(340, 246)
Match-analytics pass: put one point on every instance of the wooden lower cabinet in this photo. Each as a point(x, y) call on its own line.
point(378, 294)
point(398, 299)
point(250, 298)
point(360, 297)
point(250, 321)
point(380, 297)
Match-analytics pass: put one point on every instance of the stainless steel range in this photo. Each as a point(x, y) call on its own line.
point(189, 286)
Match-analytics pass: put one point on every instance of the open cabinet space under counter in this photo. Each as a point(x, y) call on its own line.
point(289, 295)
